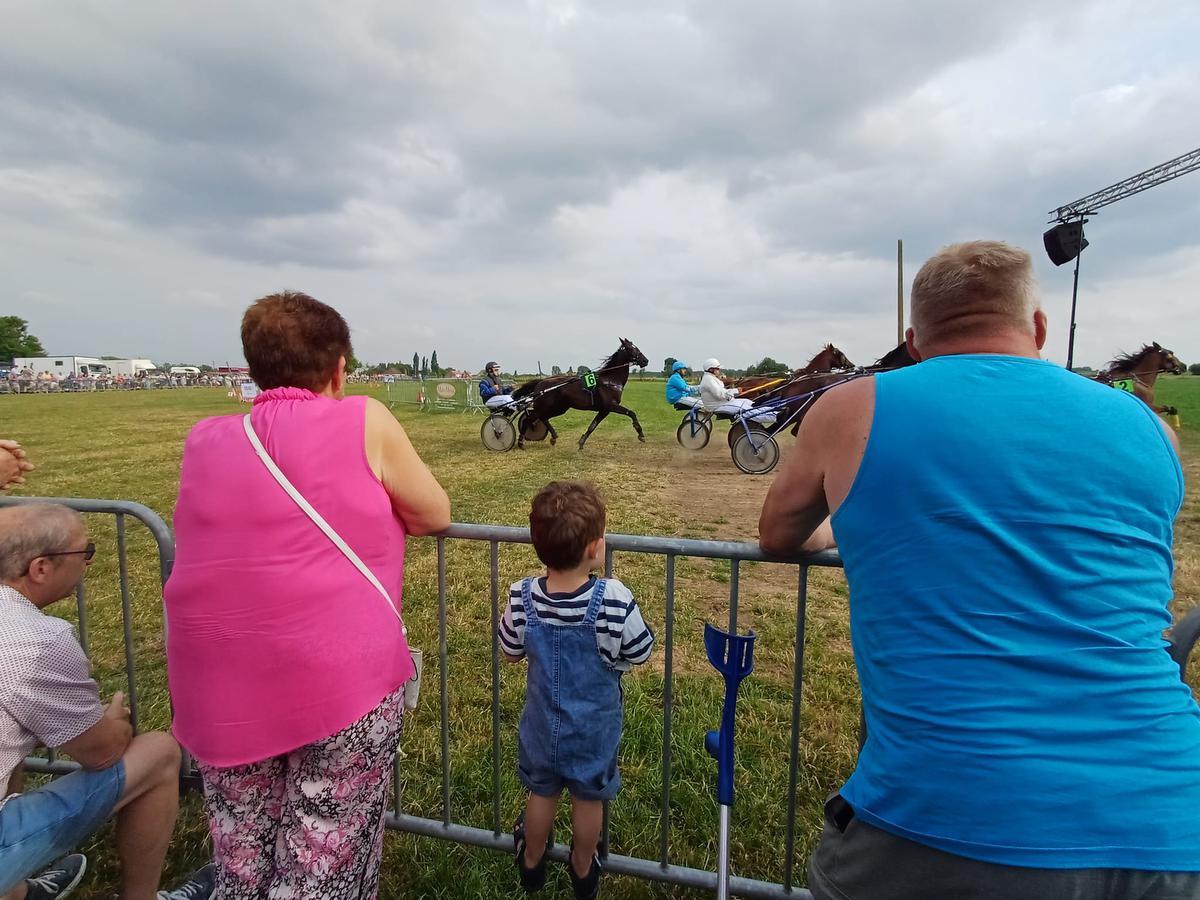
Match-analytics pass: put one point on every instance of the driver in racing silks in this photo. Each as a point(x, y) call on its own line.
point(492, 390)
point(716, 398)
point(680, 394)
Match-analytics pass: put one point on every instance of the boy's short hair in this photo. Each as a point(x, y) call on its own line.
point(565, 517)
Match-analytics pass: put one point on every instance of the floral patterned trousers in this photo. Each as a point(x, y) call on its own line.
point(308, 824)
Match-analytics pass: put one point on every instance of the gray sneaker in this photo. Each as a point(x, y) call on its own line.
point(200, 886)
point(59, 880)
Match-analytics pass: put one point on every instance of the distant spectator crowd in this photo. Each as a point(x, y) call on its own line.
point(25, 381)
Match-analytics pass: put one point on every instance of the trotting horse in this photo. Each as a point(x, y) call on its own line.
point(1136, 373)
point(827, 359)
point(602, 392)
point(810, 384)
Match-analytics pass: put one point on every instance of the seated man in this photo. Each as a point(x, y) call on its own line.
point(1027, 734)
point(47, 697)
point(680, 394)
point(492, 390)
point(723, 401)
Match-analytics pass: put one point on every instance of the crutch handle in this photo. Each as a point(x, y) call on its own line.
point(733, 656)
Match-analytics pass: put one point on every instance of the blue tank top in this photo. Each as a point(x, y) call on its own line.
point(1007, 541)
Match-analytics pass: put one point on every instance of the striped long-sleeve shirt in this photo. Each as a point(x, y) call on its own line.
point(623, 639)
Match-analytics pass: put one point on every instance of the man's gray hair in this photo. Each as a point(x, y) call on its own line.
point(974, 288)
point(32, 530)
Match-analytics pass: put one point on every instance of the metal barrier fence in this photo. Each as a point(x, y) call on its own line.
point(1184, 636)
point(660, 869)
point(408, 391)
point(497, 837)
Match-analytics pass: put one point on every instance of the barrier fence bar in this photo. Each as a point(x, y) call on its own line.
point(733, 595)
point(668, 711)
point(443, 677)
point(127, 623)
point(81, 613)
point(794, 757)
point(494, 549)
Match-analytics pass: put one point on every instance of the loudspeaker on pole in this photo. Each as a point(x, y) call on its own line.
point(1064, 242)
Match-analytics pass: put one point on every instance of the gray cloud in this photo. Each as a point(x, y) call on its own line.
point(697, 175)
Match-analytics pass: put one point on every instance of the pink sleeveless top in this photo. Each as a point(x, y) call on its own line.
point(274, 639)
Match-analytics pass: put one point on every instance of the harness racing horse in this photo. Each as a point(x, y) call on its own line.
point(827, 368)
point(828, 359)
point(893, 359)
point(808, 385)
point(599, 390)
point(1136, 373)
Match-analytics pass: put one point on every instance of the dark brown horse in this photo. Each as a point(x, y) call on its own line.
point(1137, 372)
point(828, 359)
point(551, 397)
point(893, 359)
point(807, 385)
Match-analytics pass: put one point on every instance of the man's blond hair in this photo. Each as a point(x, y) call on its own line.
point(975, 288)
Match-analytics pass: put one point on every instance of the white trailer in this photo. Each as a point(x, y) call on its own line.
point(62, 366)
point(129, 367)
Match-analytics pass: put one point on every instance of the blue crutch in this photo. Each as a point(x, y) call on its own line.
point(733, 656)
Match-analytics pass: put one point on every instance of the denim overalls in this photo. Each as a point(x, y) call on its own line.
point(571, 725)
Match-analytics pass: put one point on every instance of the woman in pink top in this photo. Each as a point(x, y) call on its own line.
point(286, 665)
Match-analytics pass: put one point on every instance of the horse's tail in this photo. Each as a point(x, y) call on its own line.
point(526, 389)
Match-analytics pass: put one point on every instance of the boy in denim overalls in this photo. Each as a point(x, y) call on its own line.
point(580, 634)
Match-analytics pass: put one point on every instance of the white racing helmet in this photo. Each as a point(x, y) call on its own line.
point(712, 363)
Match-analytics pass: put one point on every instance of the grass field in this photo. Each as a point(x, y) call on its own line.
point(127, 446)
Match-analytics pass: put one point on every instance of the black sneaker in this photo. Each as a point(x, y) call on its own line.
point(587, 888)
point(532, 879)
point(59, 880)
point(200, 886)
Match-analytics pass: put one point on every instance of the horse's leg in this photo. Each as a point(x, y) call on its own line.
point(637, 426)
point(553, 433)
point(600, 417)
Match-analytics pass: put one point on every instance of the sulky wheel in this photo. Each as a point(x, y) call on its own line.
point(693, 433)
point(755, 453)
point(498, 433)
point(756, 427)
point(532, 429)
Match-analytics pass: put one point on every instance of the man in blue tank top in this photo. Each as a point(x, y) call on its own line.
point(1006, 528)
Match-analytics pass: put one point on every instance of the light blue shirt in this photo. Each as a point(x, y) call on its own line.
point(1007, 541)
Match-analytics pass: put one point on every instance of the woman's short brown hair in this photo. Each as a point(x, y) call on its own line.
point(293, 340)
point(565, 517)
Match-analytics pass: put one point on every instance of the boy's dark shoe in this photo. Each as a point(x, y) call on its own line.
point(532, 879)
point(58, 881)
point(587, 888)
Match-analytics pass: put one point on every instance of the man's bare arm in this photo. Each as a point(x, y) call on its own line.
point(795, 515)
point(104, 743)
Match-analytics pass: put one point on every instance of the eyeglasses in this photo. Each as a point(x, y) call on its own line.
point(88, 552)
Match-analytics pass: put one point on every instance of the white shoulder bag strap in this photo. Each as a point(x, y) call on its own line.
point(316, 516)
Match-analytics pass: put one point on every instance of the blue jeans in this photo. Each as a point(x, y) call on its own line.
point(41, 825)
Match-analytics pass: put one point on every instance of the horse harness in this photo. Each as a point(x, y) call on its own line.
point(1127, 384)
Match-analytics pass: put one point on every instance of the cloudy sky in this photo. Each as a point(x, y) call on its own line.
point(529, 181)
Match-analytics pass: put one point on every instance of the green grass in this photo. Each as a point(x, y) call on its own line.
point(127, 446)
